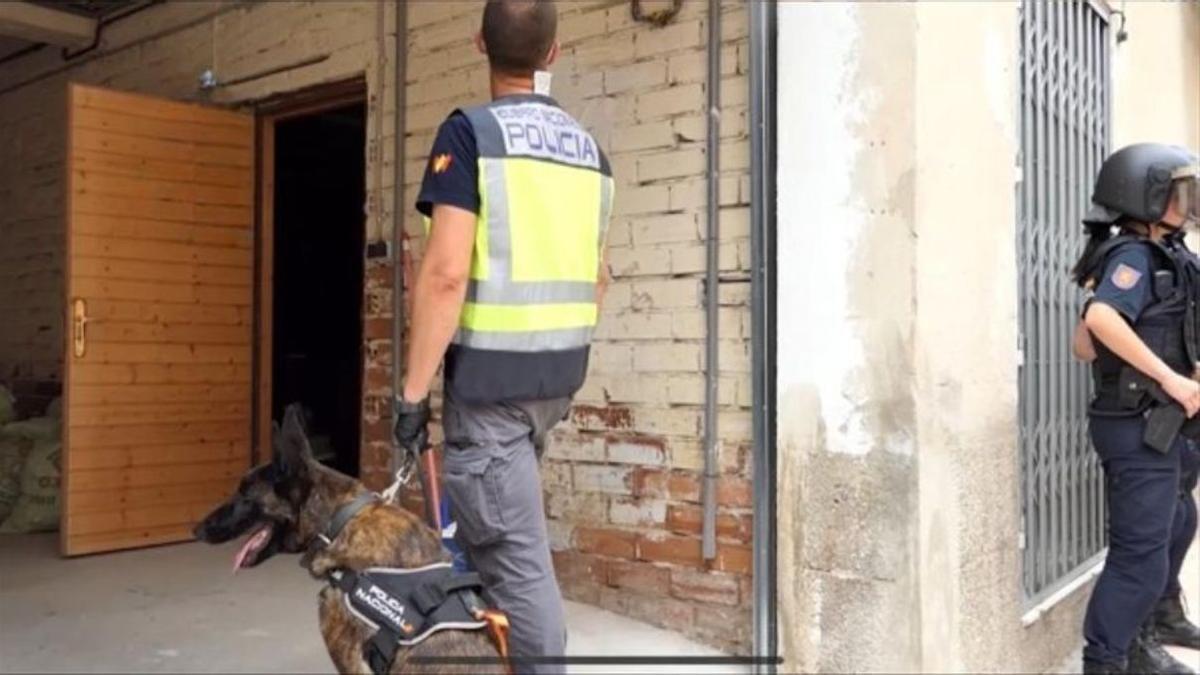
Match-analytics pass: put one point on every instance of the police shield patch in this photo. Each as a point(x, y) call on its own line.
point(1125, 277)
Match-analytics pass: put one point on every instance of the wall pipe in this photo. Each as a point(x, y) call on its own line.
point(23, 51)
point(157, 35)
point(258, 75)
point(399, 255)
point(712, 287)
point(763, 24)
point(68, 55)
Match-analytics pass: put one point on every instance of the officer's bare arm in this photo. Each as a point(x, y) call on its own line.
point(1110, 328)
point(438, 295)
point(1082, 345)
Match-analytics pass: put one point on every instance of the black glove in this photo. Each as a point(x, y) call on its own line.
point(411, 429)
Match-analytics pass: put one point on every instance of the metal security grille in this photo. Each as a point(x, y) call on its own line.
point(1065, 130)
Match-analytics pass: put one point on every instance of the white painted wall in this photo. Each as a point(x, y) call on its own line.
point(821, 215)
point(898, 325)
point(1156, 75)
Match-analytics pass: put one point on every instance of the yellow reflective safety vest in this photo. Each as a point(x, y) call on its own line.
point(546, 195)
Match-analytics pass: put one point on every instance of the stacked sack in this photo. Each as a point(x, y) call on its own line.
point(30, 469)
point(12, 458)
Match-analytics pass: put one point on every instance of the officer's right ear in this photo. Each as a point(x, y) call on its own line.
point(480, 44)
point(552, 55)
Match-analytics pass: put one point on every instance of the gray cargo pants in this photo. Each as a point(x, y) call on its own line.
point(490, 474)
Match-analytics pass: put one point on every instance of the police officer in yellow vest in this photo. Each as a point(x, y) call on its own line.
point(517, 197)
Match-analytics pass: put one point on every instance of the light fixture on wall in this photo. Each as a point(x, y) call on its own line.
point(658, 17)
point(208, 79)
point(1122, 34)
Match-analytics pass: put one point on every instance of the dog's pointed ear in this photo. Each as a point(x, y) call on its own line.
point(276, 442)
point(293, 452)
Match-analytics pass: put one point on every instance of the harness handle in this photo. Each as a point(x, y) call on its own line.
point(429, 597)
point(497, 628)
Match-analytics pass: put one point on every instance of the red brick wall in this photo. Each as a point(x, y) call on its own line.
point(376, 446)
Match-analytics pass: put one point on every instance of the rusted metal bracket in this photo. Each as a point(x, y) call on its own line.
point(659, 17)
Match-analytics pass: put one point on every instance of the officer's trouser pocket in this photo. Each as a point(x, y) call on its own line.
point(474, 492)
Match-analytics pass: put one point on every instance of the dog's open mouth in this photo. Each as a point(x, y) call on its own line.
point(247, 555)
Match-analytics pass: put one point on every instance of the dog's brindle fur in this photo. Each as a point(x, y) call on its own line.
point(297, 497)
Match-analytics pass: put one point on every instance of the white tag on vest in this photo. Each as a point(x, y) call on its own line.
point(541, 82)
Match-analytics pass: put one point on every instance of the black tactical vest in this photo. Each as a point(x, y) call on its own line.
point(1168, 325)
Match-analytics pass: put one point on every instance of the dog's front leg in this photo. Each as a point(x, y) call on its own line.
point(342, 635)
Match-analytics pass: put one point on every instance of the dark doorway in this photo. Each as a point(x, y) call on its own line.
point(316, 350)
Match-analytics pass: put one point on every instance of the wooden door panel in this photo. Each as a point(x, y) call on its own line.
point(100, 501)
point(157, 405)
point(141, 229)
point(125, 145)
point(156, 435)
point(158, 455)
point(137, 270)
point(152, 373)
point(91, 202)
point(153, 250)
point(115, 541)
point(108, 164)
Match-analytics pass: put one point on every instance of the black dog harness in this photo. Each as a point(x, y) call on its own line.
point(403, 606)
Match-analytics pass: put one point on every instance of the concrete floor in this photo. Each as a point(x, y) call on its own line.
point(178, 609)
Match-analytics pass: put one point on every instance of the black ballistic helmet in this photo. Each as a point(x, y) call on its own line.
point(1136, 182)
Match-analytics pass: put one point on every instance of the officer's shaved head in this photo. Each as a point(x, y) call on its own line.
point(519, 34)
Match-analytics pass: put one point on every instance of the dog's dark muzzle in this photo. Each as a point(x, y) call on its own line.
point(228, 521)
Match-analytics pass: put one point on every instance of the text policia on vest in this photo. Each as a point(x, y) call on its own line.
point(539, 130)
point(387, 606)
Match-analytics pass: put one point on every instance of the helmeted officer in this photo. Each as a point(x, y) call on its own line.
point(517, 196)
point(1142, 315)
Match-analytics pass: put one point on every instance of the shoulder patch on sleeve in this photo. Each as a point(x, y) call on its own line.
point(1125, 277)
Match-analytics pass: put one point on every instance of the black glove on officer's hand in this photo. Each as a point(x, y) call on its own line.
point(411, 429)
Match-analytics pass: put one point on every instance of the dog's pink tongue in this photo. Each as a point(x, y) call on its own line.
point(253, 544)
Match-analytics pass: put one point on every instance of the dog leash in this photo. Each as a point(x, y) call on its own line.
point(403, 477)
point(419, 461)
point(404, 474)
point(408, 464)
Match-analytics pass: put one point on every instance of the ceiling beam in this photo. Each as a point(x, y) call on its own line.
point(36, 23)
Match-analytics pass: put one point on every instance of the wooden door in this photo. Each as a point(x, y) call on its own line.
point(160, 258)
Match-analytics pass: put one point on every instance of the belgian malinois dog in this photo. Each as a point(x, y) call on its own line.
point(285, 504)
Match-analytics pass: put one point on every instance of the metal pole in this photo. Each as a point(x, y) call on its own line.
point(712, 296)
point(763, 16)
point(400, 61)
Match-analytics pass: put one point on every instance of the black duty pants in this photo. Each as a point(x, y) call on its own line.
point(1143, 489)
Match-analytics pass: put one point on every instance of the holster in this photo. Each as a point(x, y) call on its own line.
point(1165, 419)
point(1133, 387)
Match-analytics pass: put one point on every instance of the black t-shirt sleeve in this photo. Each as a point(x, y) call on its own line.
point(452, 173)
point(1126, 283)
